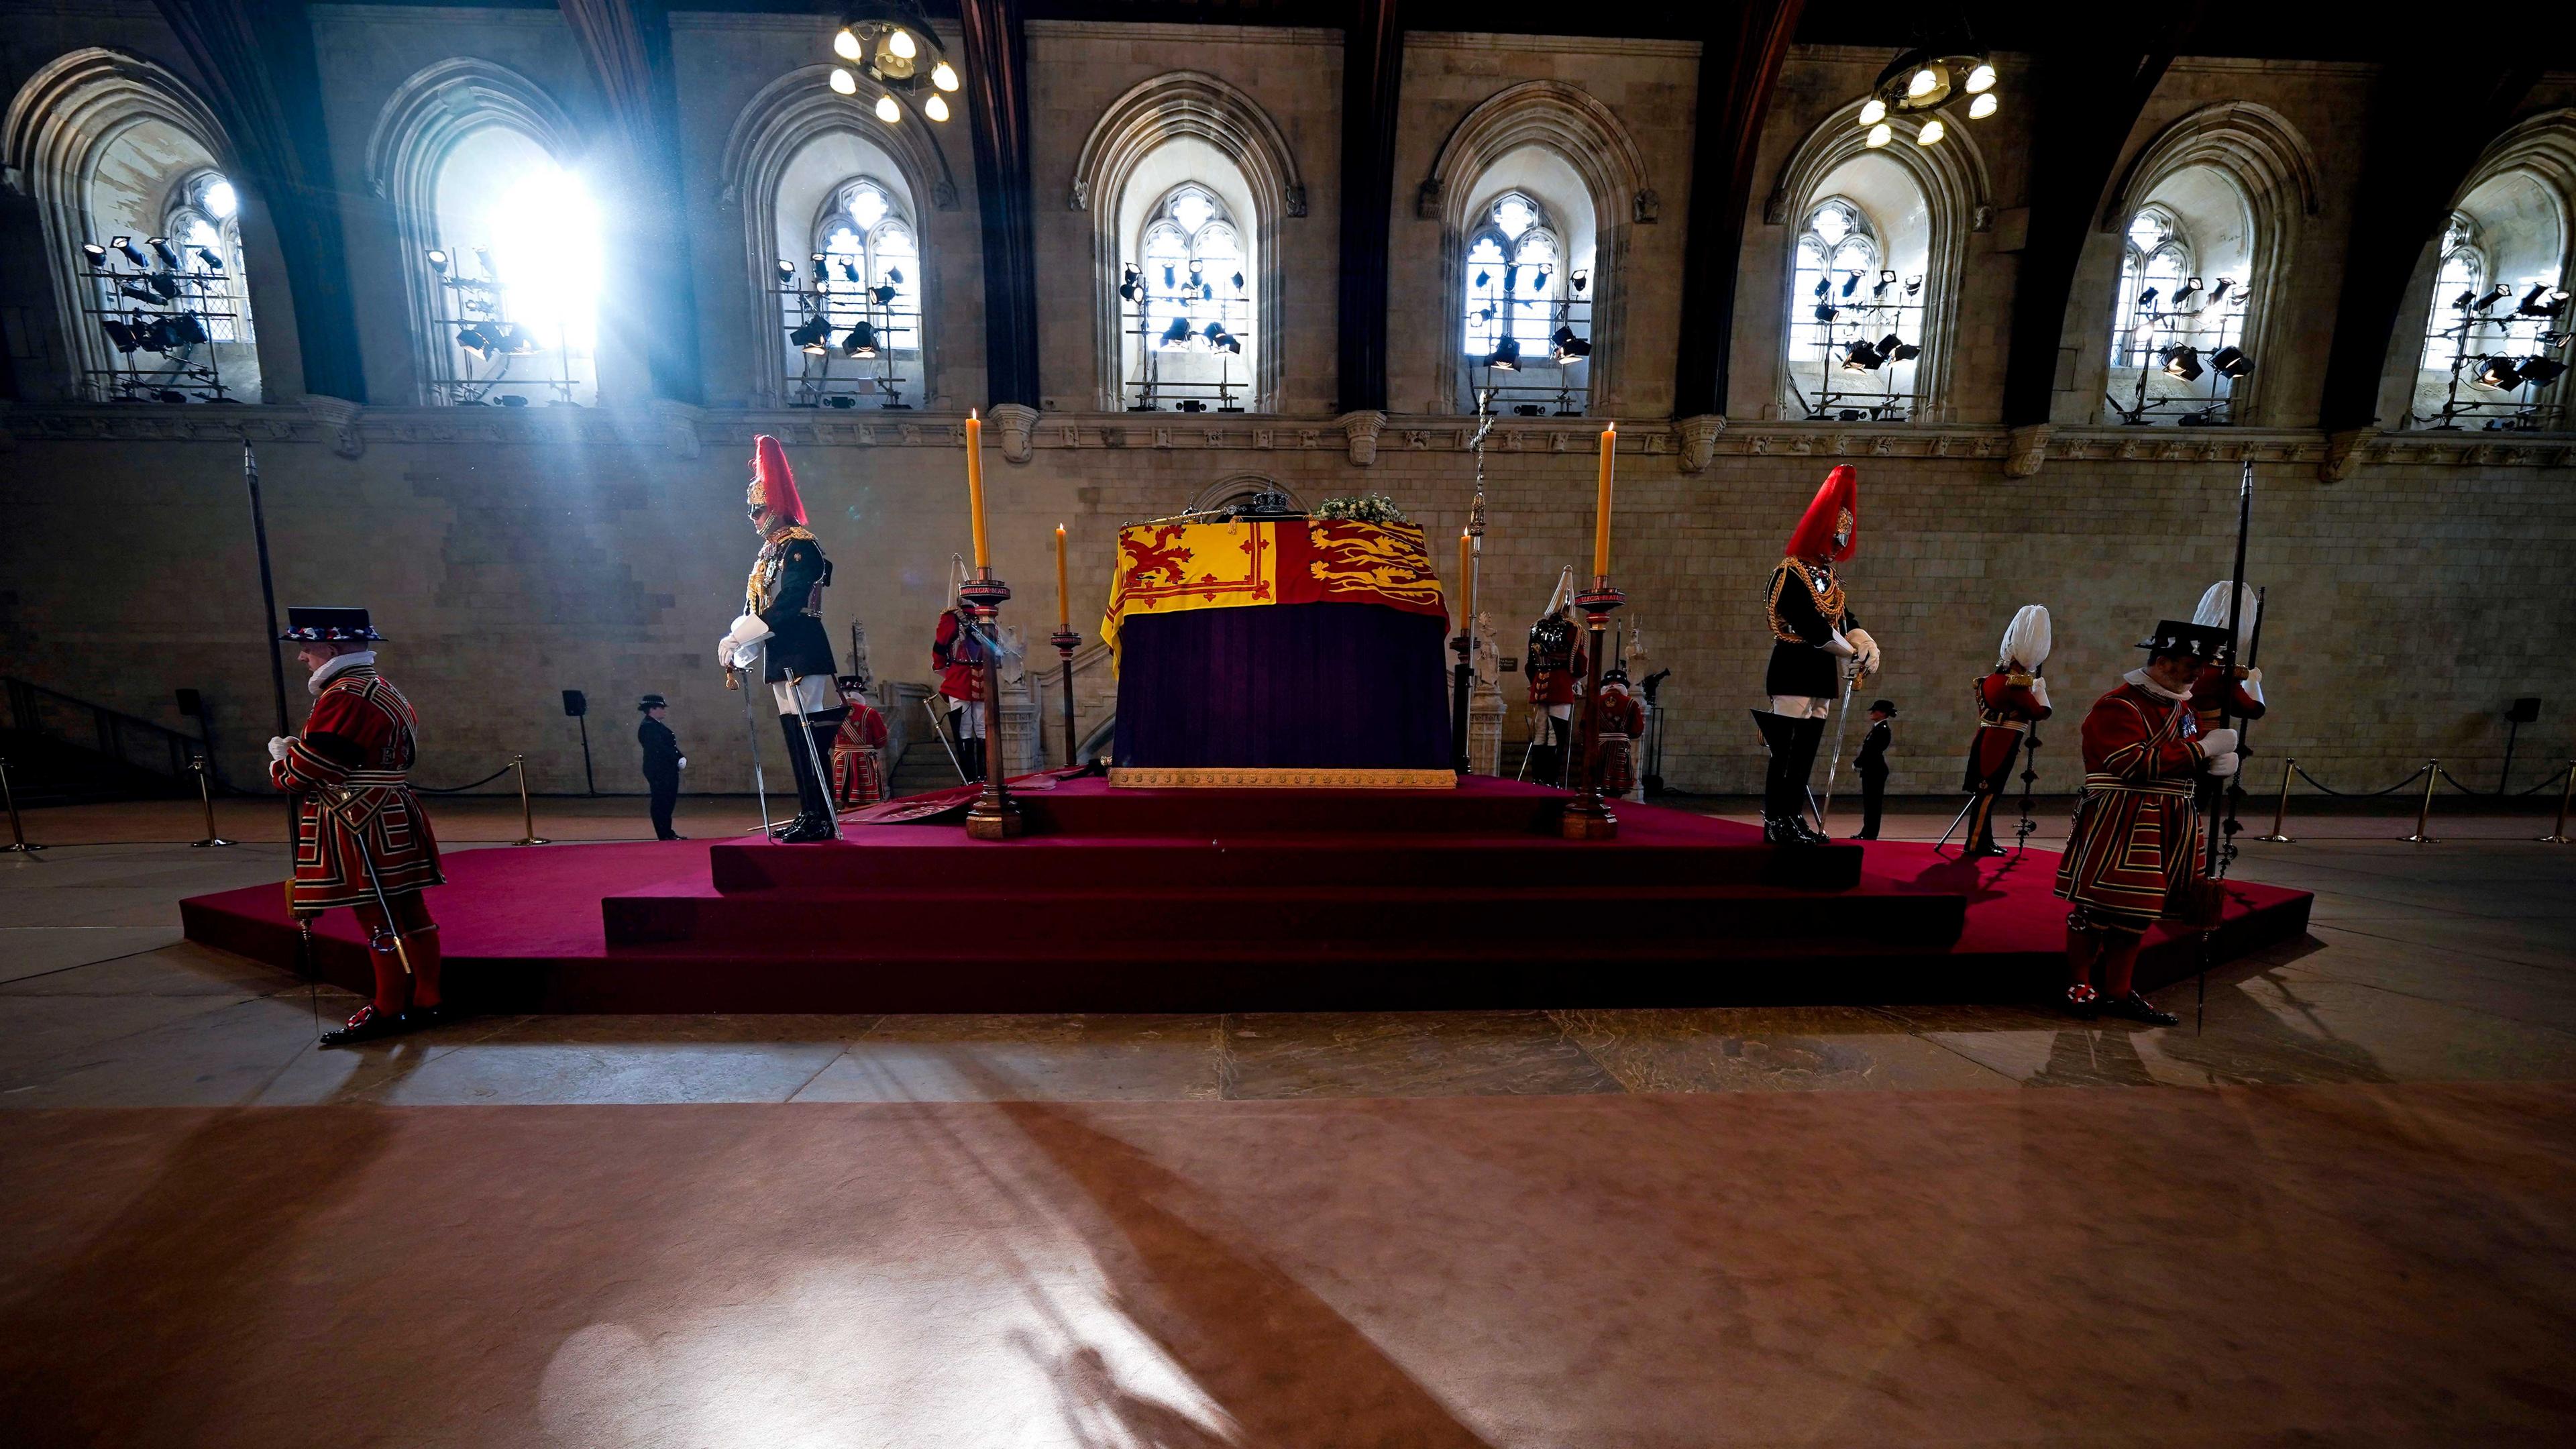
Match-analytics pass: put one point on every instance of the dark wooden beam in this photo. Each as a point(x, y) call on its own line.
point(2413, 165)
point(651, 306)
point(1739, 64)
point(2085, 100)
point(995, 51)
point(1372, 86)
point(255, 60)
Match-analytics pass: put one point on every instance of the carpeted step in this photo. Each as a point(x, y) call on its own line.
point(1714, 920)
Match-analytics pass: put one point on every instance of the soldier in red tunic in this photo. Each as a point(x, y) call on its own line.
point(1817, 644)
point(1555, 668)
point(957, 652)
point(361, 840)
point(1623, 720)
point(2010, 699)
point(2229, 689)
point(2133, 851)
point(858, 751)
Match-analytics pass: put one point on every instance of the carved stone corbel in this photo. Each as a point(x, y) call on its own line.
point(1699, 439)
point(338, 418)
point(1360, 430)
point(1018, 423)
point(2026, 448)
point(2344, 452)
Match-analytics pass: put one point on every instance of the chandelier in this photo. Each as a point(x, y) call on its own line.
point(1923, 82)
point(892, 41)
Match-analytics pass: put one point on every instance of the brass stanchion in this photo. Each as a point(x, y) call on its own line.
point(995, 815)
point(2424, 811)
point(2559, 835)
point(206, 797)
point(17, 831)
point(527, 814)
point(2281, 811)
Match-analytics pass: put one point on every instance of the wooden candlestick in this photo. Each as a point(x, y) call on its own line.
point(996, 815)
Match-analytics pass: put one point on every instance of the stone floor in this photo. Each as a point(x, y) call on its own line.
point(2334, 1206)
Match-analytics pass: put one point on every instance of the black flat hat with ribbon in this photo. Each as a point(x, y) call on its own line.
point(652, 701)
point(321, 624)
point(2196, 641)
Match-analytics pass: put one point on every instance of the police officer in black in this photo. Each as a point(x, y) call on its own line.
point(662, 763)
point(1872, 765)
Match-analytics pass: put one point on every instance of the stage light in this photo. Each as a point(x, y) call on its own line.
point(884, 295)
point(1914, 284)
point(1238, 282)
point(163, 285)
point(1931, 133)
point(1901, 352)
point(2190, 286)
point(1824, 284)
point(2541, 371)
point(844, 82)
point(862, 341)
point(484, 255)
point(2147, 299)
point(1860, 357)
point(1851, 284)
point(811, 337)
point(846, 45)
point(895, 275)
point(182, 329)
point(2543, 300)
point(786, 269)
point(1507, 354)
point(822, 268)
point(1880, 135)
point(96, 254)
point(1886, 279)
point(2183, 362)
point(1982, 107)
point(2231, 362)
point(213, 262)
point(935, 108)
point(1177, 335)
point(1825, 311)
point(2464, 301)
point(120, 336)
point(944, 76)
point(1873, 111)
point(139, 293)
point(125, 244)
point(1220, 339)
point(474, 338)
point(1579, 280)
point(849, 271)
point(2498, 373)
point(1981, 79)
point(1128, 283)
point(888, 111)
point(161, 248)
point(437, 260)
point(515, 340)
point(2218, 290)
point(1538, 284)
point(1570, 346)
point(2490, 297)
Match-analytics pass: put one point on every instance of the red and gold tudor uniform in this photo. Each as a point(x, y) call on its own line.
point(1815, 640)
point(2133, 853)
point(1554, 664)
point(957, 652)
point(2009, 700)
point(1623, 720)
point(361, 840)
point(858, 750)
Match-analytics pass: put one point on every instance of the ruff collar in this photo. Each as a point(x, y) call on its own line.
point(337, 664)
point(2139, 678)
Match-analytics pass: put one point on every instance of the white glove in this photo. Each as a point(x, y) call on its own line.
point(735, 647)
point(277, 747)
point(684, 762)
point(2254, 686)
point(2039, 691)
point(2218, 742)
point(2220, 767)
point(1866, 648)
point(1840, 645)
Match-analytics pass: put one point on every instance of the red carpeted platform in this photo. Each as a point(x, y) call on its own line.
point(1213, 900)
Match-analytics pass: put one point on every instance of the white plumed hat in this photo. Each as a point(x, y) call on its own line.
point(2026, 639)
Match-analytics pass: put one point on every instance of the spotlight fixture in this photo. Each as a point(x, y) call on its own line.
point(2540, 371)
point(1484, 279)
point(849, 271)
point(2147, 299)
point(161, 248)
point(1507, 354)
point(476, 339)
point(862, 341)
point(892, 40)
point(895, 275)
point(437, 259)
point(822, 268)
point(2230, 362)
point(2218, 290)
point(1238, 281)
point(1982, 107)
point(2183, 362)
point(2498, 373)
point(484, 255)
point(1825, 311)
point(1129, 283)
point(786, 269)
point(120, 336)
point(1824, 284)
point(1567, 345)
point(1220, 339)
point(1860, 357)
point(1901, 352)
point(1886, 279)
point(125, 244)
point(163, 284)
point(1177, 335)
point(812, 337)
point(1914, 284)
point(1851, 284)
point(515, 340)
point(1578, 279)
point(884, 295)
point(96, 254)
point(214, 262)
point(888, 111)
point(182, 329)
point(139, 293)
point(2184, 293)
point(2489, 297)
point(2543, 300)
point(1199, 282)
point(846, 45)
point(2465, 301)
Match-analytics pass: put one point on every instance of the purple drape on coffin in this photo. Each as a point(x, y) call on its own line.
point(1344, 686)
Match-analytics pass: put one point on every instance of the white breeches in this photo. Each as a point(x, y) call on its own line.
point(815, 691)
point(1799, 706)
point(969, 718)
point(1560, 711)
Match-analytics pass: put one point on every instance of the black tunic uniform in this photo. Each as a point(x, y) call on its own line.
point(661, 772)
point(1872, 766)
point(788, 581)
point(1806, 607)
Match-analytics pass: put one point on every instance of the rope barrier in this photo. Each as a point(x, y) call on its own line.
point(2360, 794)
point(461, 789)
point(2471, 790)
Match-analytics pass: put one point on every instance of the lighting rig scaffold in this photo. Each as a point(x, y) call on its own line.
point(2509, 393)
point(474, 313)
point(828, 320)
point(2180, 337)
point(1175, 310)
point(1857, 327)
point(178, 309)
point(1514, 314)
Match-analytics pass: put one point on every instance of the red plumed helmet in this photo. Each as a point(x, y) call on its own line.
point(1831, 529)
point(773, 486)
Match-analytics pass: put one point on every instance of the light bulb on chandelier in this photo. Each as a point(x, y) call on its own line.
point(888, 111)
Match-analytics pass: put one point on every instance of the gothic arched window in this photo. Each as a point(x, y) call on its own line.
point(874, 262)
point(1515, 278)
point(2464, 270)
point(203, 223)
point(1838, 255)
point(1187, 301)
point(2155, 255)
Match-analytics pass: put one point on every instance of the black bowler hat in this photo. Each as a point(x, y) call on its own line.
point(312, 624)
point(652, 701)
point(2192, 641)
point(1883, 707)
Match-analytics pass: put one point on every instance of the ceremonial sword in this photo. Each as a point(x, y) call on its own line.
point(1842, 717)
point(813, 753)
point(751, 736)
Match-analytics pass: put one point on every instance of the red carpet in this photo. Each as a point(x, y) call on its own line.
point(1201, 900)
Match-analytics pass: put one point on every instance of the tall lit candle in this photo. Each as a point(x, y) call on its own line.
point(1466, 582)
point(975, 486)
point(1601, 513)
point(1063, 600)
